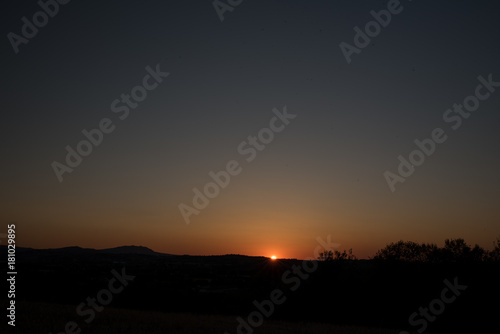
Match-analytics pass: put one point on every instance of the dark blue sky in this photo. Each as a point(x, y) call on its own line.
point(322, 175)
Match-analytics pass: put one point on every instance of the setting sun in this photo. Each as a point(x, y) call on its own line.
point(273, 257)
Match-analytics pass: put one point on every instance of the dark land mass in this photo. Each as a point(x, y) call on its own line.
point(368, 293)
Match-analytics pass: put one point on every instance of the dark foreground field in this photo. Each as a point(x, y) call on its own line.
point(135, 290)
point(41, 317)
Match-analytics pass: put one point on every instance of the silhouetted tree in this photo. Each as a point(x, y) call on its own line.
point(494, 255)
point(405, 251)
point(478, 254)
point(326, 256)
point(336, 255)
point(432, 253)
point(454, 250)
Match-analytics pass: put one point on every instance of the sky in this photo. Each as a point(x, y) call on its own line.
point(323, 173)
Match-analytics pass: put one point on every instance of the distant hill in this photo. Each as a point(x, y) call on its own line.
point(75, 250)
point(130, 250)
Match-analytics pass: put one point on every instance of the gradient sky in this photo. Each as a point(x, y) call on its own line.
point(323, 175)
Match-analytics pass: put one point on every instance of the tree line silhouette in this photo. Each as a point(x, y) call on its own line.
point(454, 250)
